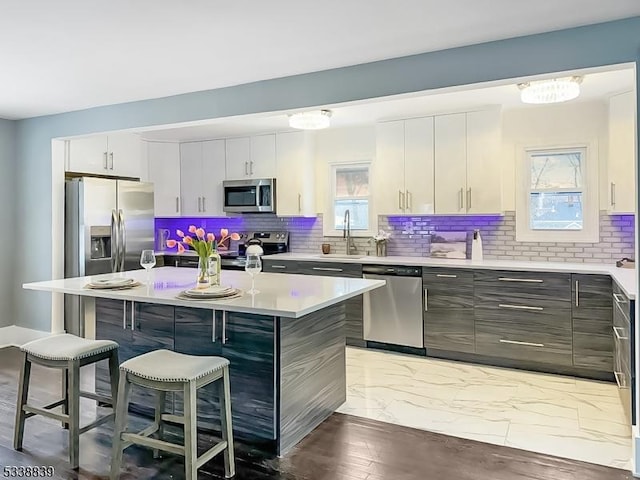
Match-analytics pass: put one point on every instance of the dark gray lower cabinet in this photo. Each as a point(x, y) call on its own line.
point(592, 316)
point(624, 349)
point(354, 327)
point(448, 310)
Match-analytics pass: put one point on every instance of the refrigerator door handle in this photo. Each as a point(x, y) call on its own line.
point(115, 240)
point(123, 240)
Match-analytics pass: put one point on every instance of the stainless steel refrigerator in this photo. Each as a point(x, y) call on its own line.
point(108, 223)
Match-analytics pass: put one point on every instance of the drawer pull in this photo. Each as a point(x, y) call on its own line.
point(520, 307)
point(426, 300)
point(446, 275)
point(523, 280)
point(622, 384)
point(577, 293)
point(617, 297)
point(527, 344)
point(278, 266)
point(327, 269)
point(618, 336)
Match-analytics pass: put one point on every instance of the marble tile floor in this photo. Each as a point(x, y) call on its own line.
point(552, 414)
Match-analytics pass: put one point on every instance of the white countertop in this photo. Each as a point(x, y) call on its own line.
point(626, 278)
point(280, 295)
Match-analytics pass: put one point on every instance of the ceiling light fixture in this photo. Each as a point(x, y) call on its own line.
point(550, 91)
point(314, 120)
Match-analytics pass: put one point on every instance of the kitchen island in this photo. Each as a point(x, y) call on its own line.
point(286, 344)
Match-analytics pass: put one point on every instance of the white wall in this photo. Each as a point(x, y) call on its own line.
point(562, 124)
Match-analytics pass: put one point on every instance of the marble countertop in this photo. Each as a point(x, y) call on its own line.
point(626, 278)
point(280, 295)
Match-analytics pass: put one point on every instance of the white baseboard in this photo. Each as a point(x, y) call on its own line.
point(14, 336)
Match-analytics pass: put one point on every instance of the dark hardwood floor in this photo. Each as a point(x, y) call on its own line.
point(342, 448)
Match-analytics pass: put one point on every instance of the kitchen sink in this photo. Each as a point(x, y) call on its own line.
point(339, 255)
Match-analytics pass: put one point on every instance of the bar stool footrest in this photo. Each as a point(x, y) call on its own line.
point(136, 438)
point(96, 423)
point(212, 452)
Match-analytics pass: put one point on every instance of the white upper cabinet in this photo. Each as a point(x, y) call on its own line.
point(403, 169)
point(467, 163)
point(419, 165)
point(295, 179)
point(202, 170)
point(262, 163)
point(213, 174)
point(484, 166)
point(622, 153)
point(251, 157)
point(117, 154)
point(164, 172)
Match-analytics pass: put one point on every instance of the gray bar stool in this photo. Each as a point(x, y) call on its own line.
point(168, 371)
point(68, 353)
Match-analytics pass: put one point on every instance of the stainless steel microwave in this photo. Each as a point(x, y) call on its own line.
point(251, 195)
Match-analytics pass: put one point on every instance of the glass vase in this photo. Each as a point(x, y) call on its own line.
point(209, 270)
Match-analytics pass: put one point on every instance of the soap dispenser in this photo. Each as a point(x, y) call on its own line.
point(476, 247)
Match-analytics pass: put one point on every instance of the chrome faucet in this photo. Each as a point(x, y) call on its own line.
point(346, 233)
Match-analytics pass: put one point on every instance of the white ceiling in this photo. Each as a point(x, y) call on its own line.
point(67, 55)
point(596, 85)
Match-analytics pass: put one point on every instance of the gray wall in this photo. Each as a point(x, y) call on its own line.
point(7, 203)
point(595, 45)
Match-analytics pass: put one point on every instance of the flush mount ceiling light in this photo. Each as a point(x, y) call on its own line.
point(314, 120)
point(550, 91)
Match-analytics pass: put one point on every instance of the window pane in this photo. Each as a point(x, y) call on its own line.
point(556, 211)
point(352, 182)
point(556, 170)
point(358, 214)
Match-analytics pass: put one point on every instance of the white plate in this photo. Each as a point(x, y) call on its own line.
point(215, 290)
point(111, 282)
point(202, 294)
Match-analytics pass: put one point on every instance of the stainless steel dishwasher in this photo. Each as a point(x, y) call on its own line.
point(393, 313)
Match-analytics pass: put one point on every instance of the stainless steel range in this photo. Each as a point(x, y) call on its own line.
point(271, 242)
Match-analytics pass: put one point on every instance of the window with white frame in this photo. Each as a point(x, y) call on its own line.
point(351, 191)
point(557, 198)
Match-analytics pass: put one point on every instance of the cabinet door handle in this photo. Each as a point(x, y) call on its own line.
point(213, 327)
point(199, 207)
point(426, 300)
point(516, 342)
point(204, 205)
point(224, 327)
point(461, 199)
point(520, 307)
point(111, 161)
point(278, 266)
point(618, 336)
point(251, 168)
point(133, 316)
point(446, 275)
point(613, 194)
point(299, 203)
point(621, 384)
point(409, 200)
point(524, 280)
point(246, 168)
point(618, 298)
point(177, 204)
point(577, 293)
point(399, 200)
point(468, 199)
point(124, 315)
point(327, 269)
point(104, 161)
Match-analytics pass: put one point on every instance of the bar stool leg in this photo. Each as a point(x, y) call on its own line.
point(114, 376)
point(190, 431)
point(23, 395)
point(124, 389)
point(159, 424)
point(73, 390)
point(65, 395)
point(227, 430)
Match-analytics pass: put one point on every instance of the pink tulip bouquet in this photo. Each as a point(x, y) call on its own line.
point(203, 243)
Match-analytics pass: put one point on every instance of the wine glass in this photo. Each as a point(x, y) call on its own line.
point(148, 261)
point(253, 267)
